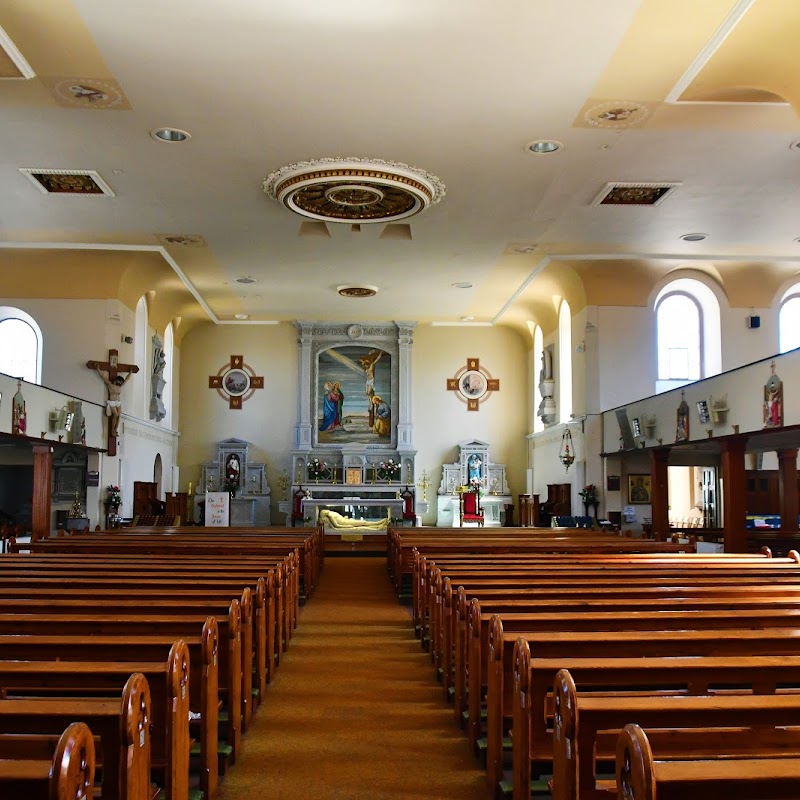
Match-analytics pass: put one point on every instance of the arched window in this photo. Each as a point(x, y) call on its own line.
point(688, 333)
point(538, 355)
point(141, 380)
point(564, 362)
point(20, 345)
point(169, 357)
point(679, 333)
point(789, 320)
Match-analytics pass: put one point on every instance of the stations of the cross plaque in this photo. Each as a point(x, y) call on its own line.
point(235, 382)
point(473, 384)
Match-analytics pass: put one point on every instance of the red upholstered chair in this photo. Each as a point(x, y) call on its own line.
point(471, 510)
point(409, 515)
point(297, 507)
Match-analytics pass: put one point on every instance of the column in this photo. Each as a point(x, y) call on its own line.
point(734, 495)
point(787, 487)
point(42, 480)
point(405, 427)
point(659, 492)
point(302, 431)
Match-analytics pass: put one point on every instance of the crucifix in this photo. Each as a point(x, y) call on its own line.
point(114, 383)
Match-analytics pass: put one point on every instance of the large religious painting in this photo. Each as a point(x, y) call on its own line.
point(354, 390)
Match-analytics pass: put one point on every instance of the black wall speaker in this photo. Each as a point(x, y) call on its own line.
point(753, 322)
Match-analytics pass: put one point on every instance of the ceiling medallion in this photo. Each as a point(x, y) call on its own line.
point(354, 189)
point(357, 291)
point(617, 114)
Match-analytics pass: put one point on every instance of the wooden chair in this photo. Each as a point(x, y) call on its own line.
point(470, 507)
point(297, 507)
point(409, 515)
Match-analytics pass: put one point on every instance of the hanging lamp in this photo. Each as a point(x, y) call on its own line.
point(566, 455)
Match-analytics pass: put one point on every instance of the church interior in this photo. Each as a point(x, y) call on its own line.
point(377, 270)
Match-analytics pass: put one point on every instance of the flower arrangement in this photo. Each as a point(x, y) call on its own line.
point(390, 469)
point(113, 495)
point(590, 495)
point(316, 469)
point(476, 485)
point(231, 484)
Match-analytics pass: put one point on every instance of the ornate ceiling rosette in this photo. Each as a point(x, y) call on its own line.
point(354, 189)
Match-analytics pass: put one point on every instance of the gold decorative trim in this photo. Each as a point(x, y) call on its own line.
point(354, 190)
point(84, 182)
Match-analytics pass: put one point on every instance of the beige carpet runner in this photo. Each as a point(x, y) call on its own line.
point(354, 712)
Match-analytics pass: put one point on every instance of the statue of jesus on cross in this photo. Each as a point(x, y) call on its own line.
point(114, 383)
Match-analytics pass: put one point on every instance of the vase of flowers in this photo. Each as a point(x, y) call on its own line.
point(388, 470)
point(113, 497)
point(231, 485)
point(316, 469)
point(476, 485)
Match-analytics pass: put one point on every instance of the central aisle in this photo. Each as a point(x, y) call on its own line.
point(354, 712)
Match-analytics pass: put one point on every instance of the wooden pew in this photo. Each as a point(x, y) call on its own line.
point(123, 728)
point(169, 702)
point(586, 727)
point(33, 571)
point(618, 644)
point(641, 776)
point(68, 775)
point(236, 665)
point(534, 679)
point(204, 663)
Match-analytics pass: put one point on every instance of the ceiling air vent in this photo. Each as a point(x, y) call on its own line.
point(633, 194)
point(68, 181)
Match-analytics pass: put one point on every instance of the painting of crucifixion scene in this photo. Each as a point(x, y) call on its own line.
point(354, 385)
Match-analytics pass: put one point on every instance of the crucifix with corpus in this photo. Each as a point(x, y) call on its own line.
point(114, 383)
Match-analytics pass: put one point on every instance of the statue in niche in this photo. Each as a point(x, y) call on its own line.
point(157, 382)
point(682, 429)
point(547, 386)
point(19, 419)
point(773, 401)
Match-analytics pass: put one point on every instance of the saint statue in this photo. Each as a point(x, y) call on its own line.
point(334, 520)
point(19, 419)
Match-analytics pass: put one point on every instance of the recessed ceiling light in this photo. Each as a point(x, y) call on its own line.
point(170, 135)
point(242, 316)
point(694, 237)
point(467, 319)
point(245, 279)
point(543, 146)
point(462, 285)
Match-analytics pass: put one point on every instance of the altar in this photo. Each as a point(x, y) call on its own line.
point(473, 471)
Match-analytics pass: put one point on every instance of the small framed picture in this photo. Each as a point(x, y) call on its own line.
point(639, 489)
point(353, 476)
point(636, 427)
point(612, 483)
point(703, 411)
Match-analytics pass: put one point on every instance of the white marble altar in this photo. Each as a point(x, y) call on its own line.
point(251, 504)
point(473, 468)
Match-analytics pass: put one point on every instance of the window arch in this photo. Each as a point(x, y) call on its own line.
point(538, 355)
point(564, 362)
point(689, 345)
point(141, 380)
point(169, 357)
point(20, 345)
point(789, 320)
